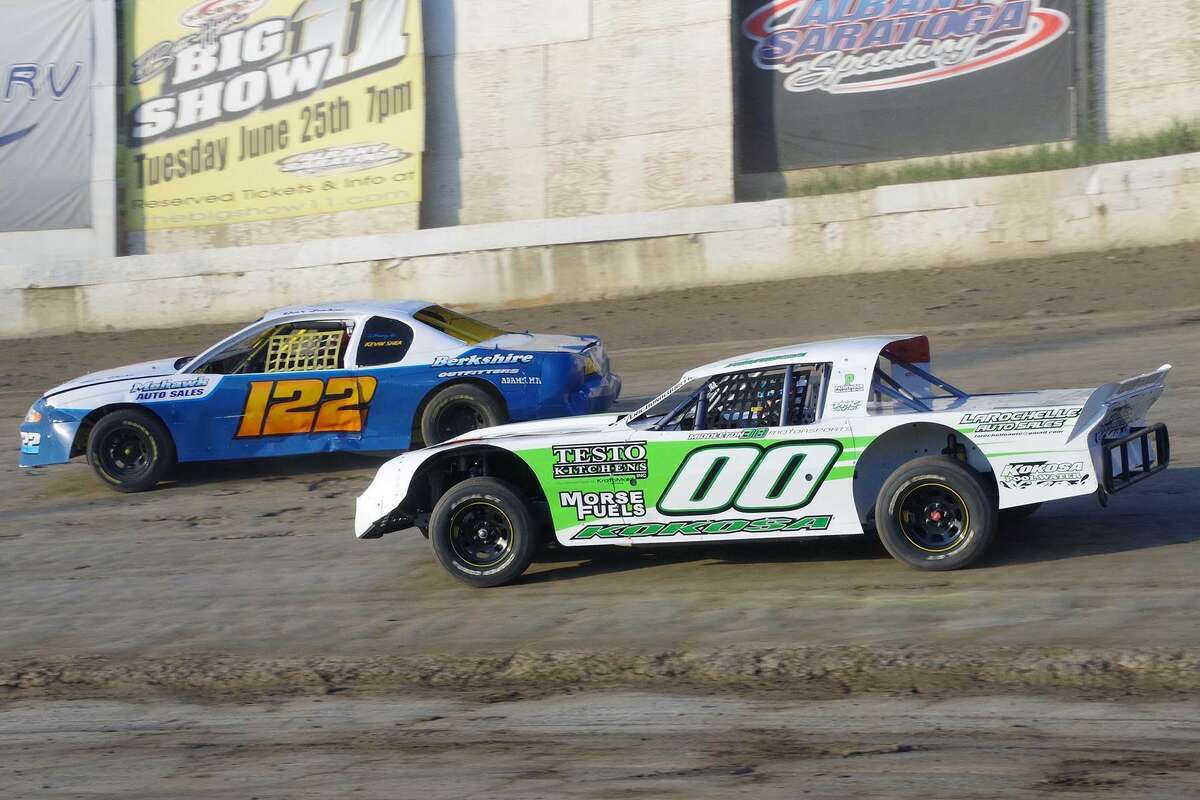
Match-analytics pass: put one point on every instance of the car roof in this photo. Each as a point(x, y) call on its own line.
point(858, 352)
point(353, 308)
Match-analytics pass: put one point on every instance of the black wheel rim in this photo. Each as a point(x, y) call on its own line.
point(457, 419)
point(126, 453)
point(481, 534)
point(934, 517)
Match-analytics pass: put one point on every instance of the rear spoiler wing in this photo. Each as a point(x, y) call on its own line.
point(1116, 407)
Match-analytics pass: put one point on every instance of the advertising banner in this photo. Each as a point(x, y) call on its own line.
point(246, 110)
point(824, 82)
point(46, 115)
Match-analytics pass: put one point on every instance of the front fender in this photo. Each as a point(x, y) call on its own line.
point(49, 440)
point(377, 509)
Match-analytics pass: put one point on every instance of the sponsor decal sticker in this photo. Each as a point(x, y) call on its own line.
point(750, 433)
point(1029, 474)
point(849, 385)
point(705, 527)
point(604, 504)
point(605, 460)
point(845, 406)
point(841, 46)
point(153, 391)
point(1045, 419)
point(482, 361)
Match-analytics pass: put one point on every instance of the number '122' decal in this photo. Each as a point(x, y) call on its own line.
point(293, 407)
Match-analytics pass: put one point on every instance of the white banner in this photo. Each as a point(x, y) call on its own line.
point(46, 54)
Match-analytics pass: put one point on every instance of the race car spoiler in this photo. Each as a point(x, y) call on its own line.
point(1136, 457)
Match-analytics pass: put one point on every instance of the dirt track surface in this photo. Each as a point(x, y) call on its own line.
point(255, 567)
point(601, 746)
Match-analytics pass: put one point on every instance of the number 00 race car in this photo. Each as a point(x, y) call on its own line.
point(358, 377)
point(830, 438)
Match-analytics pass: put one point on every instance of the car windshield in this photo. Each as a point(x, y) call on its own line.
point(460, 326)
point(668, 408)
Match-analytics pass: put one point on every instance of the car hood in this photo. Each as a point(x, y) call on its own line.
point(146, 369)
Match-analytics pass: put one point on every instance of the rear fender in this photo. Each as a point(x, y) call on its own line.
point(902, 444)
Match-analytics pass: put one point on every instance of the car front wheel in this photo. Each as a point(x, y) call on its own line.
point(483, 533)
point(130, 450)
point(935, 514)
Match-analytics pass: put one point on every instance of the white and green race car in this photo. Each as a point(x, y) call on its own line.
point(821, 439)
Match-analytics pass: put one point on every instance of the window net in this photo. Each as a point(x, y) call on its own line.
point(304, 350)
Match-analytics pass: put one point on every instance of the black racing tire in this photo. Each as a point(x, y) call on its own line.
point(130, 450)
point(458, 409)
point(483, 532)
point(1011, 516)
point(934, 513)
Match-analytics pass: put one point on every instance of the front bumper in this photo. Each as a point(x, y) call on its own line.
point(48, 441)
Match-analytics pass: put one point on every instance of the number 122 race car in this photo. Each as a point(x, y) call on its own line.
point(354, 377)
point(829, 438)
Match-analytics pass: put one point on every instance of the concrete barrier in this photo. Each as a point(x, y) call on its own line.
point(946, 224)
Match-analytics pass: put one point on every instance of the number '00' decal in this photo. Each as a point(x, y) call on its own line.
point(747, 477)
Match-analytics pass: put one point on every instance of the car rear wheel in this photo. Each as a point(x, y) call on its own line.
point(459, 409)
point(130, 450)
point(483, 533)
point(935, 514)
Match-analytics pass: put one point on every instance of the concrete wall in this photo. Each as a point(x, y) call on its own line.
point(1151, 64)
point(100, 239)
point(573, 107)
point(955, 223)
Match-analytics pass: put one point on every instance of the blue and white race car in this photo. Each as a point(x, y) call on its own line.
point(364, 376)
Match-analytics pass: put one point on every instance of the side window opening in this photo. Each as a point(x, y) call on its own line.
point(384, 341)
point(899, 383)
point(310, 346)
point(783, 396)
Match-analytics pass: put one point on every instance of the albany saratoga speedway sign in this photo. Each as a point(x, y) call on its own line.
point(842, 46)
point(246, 110)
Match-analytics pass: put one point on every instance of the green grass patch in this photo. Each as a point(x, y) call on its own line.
point(1181, 137)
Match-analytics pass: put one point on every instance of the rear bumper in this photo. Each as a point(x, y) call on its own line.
point(1136, 457)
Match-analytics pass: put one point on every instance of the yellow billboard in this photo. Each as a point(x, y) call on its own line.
point(248, 110)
